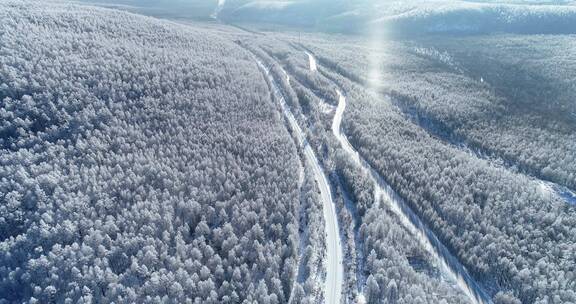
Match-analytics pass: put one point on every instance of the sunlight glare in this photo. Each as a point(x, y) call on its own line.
point(376, 44)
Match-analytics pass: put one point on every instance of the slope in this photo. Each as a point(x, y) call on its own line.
point(140, 161)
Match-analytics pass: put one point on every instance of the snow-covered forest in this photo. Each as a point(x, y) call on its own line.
point(165, 159)
point(142, 161)
point(506, 228)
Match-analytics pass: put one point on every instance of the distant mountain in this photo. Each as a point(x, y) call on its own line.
point(411, 17)
point(174, 9)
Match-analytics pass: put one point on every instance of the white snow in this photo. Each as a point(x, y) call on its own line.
point(334, 267)
point(545, 189)
point(312, 62)
point(454, 271)
point(549, 189)
point(286, 74)
point(325, 107)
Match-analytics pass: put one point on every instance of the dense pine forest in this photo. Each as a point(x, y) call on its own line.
point(142, 161)
point(303, 151)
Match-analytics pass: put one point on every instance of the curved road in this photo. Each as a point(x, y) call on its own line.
point(312, 62)
point(334, 267)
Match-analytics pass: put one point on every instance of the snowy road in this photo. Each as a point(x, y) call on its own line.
point(312, 62)
point(334, 267)
point(448, 264)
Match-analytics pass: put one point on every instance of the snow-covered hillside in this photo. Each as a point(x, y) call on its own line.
point(177, 161)
point(140, 162)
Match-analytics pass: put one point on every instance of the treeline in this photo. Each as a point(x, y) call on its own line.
point(141, 162)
